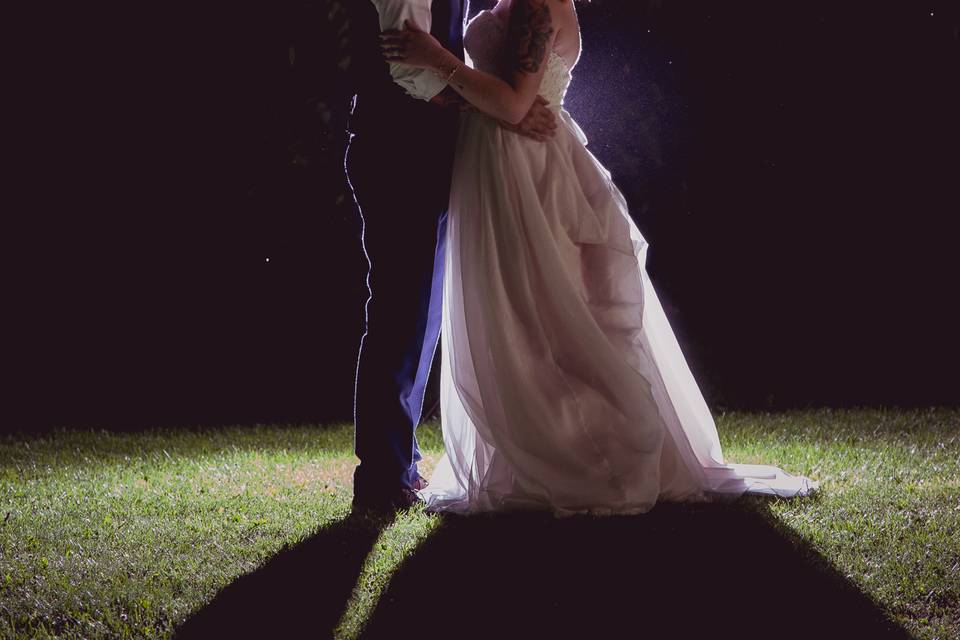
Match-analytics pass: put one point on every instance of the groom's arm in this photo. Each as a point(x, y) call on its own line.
point(418, 82)
point(539, 124)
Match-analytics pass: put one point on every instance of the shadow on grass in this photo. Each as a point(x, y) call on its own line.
point(680, 571)
point(300, 592)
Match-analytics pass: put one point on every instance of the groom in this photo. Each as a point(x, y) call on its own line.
point(399, 164)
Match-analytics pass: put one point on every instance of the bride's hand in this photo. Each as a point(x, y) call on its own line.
point(413, 46)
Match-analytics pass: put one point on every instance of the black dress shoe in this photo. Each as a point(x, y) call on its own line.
point(399, 500)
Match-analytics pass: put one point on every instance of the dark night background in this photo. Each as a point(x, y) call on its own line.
point(794, 166)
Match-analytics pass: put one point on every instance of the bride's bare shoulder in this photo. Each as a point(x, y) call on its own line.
point(559, 7)
point(565, 11)
point(543, 18)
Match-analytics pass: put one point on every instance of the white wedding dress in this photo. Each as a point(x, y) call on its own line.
point(562, 384)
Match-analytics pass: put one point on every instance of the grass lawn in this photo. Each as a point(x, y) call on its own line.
point(127, 535)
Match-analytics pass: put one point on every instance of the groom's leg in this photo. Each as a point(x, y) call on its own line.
point(402, 212)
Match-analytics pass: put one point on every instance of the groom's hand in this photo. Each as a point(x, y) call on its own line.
point(447, 98)
point(539, 123)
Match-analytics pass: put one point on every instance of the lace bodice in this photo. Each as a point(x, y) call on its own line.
point(484, 42)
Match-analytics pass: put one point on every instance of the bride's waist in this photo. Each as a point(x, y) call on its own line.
point(564, 120)
point(558, 111)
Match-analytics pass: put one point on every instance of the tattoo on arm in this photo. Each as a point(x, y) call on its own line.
point(530, 29)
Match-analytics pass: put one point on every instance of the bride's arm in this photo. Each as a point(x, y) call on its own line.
point(531, 35)
point(538, 124)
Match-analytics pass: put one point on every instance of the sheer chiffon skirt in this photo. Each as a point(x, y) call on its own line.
point(562, 383)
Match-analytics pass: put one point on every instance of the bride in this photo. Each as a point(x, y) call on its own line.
point(562, 383)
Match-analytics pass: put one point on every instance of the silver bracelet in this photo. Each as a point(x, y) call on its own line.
point(449, 77)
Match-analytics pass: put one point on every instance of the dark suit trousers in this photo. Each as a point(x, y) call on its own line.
point(400, 177)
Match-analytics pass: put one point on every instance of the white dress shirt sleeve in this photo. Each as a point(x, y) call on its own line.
point(419, 83)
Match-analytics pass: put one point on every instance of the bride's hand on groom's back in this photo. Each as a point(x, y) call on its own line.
point(539, 124)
